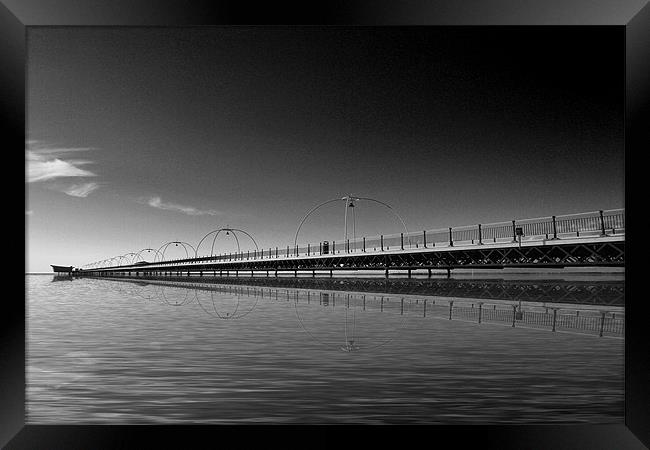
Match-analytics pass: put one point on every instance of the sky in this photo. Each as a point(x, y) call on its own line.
point(141, 136)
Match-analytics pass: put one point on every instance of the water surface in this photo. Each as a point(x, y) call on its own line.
point(242, 351)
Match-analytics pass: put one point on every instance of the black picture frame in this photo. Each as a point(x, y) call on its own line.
point(633, 16)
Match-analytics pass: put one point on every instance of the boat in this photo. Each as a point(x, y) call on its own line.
point(60, 269)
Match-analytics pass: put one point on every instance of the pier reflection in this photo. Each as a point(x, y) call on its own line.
point(62, 277)
point(607, 292)
point(350, 321)
point(362, 314)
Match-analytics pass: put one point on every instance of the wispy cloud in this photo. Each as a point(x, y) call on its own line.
point(81, 190)
point(46, 163)
point(156, 202)
point(42, 169)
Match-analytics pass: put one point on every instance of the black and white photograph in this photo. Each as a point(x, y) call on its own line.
point(325, 224)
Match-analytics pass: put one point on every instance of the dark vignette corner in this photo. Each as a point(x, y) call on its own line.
point(12, 413)
point(12, 316)
point(637, 136)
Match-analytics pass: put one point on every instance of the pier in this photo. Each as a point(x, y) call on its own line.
point(595, 239)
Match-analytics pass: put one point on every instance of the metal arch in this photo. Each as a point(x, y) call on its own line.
point(347, 199)
point(203, 238)
point(215, 240)
point(121, 258)
point(184, 244)
point(247, 234)
point(295, 240)
point(217, 234)
point(131, 260)
point(389, 207)
point(236, 239)
point(156, 255)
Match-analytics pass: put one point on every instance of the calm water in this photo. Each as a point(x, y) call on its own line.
point(321, 351)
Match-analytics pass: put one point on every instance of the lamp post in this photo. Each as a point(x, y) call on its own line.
point(350, 201)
